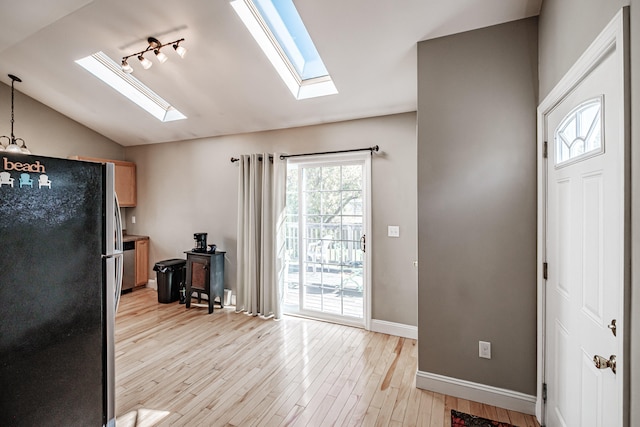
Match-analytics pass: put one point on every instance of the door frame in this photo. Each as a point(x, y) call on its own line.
point(615, 35)
point(365, 158)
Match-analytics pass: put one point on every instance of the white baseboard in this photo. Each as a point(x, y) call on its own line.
point(503, 398)
point(151, 283)
point(397, 329)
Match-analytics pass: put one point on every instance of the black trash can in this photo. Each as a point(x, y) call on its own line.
point(170, 276)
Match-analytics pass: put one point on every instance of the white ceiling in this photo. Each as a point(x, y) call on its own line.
point(225, 84)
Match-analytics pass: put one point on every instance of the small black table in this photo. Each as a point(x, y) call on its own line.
point(205, 275)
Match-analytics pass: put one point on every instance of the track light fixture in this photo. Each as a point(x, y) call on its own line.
point(155, 46)
point(13, 146)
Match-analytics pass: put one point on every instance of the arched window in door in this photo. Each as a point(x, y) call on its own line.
point(579, 134)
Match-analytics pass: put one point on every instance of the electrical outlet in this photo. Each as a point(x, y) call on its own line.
point(484, 349)
point(133, 219)
point(393, 231)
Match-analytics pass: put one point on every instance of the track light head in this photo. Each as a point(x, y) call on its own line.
point(180, 50)
point(146, 64)
point(126, 67)
point(162, 58)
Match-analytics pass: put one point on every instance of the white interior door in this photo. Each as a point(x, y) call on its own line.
point(585, 202)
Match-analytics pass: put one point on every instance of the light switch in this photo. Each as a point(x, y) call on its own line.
point(393, 231)
point(484, 350)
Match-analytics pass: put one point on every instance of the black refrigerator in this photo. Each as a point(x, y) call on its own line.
point(60, 269)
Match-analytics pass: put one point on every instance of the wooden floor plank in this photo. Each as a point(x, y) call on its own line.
point(347, 408)
point(384, 416)
point(517, 418)
point(179, 367)
point(412, 410)
point(463, 406)
point(426, 409)
point(502, 415)
point(437, 413)
point(406, 383)
point(489, 412)
point(449, 404)
point(475, 408)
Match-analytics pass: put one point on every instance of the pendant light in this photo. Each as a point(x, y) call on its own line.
point(13, 146)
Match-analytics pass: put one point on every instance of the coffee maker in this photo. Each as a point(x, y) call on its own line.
point(201, 242)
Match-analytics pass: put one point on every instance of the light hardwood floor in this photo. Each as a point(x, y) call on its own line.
point(187, 368)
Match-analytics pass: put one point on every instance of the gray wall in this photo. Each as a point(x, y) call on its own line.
point(191, 186)
point(567, 28)
point(563, 38)
point(49, 133)
point(477, 97)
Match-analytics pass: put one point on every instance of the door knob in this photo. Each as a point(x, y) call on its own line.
point(602, 363)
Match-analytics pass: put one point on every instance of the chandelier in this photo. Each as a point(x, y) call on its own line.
point(12, 146)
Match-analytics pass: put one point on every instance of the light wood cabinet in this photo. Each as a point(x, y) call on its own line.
point(126, 183)
point(142, 262)
point(125, 178)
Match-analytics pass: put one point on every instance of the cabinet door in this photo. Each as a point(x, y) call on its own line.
point(126, 183)
point(199, 272)
point(142, 262)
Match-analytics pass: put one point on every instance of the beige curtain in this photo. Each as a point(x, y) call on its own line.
point(261, 210)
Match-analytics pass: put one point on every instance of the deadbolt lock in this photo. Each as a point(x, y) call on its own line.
point(612, 326)
point(602, 363)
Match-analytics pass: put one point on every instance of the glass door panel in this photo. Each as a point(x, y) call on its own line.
point(325, 227)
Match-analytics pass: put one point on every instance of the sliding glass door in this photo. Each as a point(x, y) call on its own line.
point(327, 216)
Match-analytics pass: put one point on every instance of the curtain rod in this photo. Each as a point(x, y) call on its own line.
point(233, 159)
point(282, 157)
point(371, 149)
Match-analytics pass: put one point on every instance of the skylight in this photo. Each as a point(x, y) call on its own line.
point(279, 31)
point(104, 68)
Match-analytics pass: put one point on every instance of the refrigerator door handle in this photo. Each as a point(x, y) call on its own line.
point(119, 271)
point(115, 255)
point(119, 247)
point(113, 260)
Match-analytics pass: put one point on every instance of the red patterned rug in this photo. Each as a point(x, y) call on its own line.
point(460, 419)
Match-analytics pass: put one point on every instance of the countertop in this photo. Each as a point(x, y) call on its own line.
point(133, 237)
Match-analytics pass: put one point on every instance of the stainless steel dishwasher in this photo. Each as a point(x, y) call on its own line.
point(129, 266)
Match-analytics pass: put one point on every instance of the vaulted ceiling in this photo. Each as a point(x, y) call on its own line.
point(225, 84)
